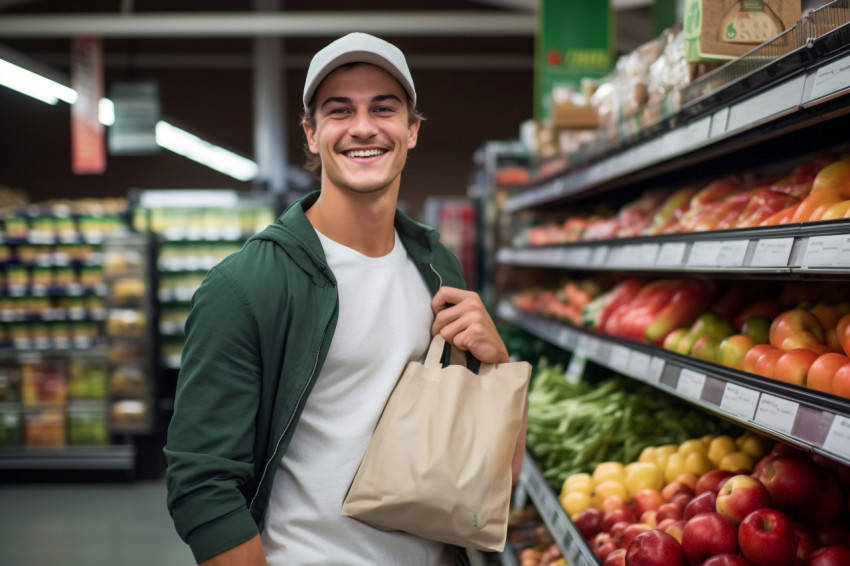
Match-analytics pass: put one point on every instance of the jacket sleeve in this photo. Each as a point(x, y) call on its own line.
point(210, 440)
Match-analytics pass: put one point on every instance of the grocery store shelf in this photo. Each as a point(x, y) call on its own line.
point(115, 457)
point(819, 248)
point(563, 531)
point(794, 101)
point(796, 415)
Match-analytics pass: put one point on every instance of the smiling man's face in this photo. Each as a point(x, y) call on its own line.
point(361, 130)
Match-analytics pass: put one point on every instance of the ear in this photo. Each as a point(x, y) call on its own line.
point(311, 137)
point(413, 134)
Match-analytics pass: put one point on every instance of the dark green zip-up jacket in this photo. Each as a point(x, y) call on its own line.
point(258, 332)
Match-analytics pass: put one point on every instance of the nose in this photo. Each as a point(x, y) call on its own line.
point(362, 125)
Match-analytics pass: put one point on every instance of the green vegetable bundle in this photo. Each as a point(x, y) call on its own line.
point(572, 426)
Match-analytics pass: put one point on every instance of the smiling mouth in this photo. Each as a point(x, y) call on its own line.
point(365, 152)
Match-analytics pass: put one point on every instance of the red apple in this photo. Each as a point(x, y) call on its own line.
point(602, 545)
point(646, 500)
point(726, 559)
point(806, 544)
point(825, 506)
point(630, 532)
point(672, 510)
point(675, 529)
point(654, 547)
point(589, 522)
point(768, 538)
point(791, 480)
point(709, 481)
point(674, 488)
point(617, 529)
point(704, 503)
point(832, 555)
point(616, 516)
point(616, 558)
point(740, 496)
point(708, 534)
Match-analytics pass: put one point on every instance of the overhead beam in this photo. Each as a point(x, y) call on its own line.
point(283, 24)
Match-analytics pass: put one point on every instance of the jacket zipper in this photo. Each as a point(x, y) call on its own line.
point(437, 273)
point(291, 418)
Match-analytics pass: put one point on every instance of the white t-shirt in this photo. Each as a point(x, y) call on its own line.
point(384, 322)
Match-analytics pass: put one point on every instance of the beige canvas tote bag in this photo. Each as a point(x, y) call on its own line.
point(439, 463)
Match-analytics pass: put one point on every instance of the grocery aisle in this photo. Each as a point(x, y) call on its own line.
point(88, 525)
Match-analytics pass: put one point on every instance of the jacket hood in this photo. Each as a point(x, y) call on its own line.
point(297, 237)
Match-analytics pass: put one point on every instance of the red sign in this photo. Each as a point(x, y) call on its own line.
point(88, 145)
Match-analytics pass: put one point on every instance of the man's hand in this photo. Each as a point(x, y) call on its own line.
point(462, 320)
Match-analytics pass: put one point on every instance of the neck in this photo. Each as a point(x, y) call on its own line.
point(362, 222)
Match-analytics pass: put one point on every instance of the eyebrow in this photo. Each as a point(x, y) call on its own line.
point(345, 100)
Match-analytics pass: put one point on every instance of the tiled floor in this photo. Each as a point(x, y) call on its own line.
point(109, 524)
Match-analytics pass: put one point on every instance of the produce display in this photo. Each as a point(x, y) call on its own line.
point(573, 425)
point(777, 332)
point(531, 541)
point(777, 507)
point(818, 189)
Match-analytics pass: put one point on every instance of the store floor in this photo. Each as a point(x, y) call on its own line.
point(88, 525)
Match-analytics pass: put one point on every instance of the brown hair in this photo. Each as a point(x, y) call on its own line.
point(312, 162)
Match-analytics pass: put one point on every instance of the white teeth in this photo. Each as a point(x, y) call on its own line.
point(365, 152)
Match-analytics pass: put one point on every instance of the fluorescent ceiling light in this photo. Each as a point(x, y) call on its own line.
point(34, 85)
point(191, 146)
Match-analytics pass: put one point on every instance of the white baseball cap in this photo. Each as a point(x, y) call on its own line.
point(358, 48)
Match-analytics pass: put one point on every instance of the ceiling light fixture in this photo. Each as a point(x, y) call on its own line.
point(34, 85)
point(191, 146)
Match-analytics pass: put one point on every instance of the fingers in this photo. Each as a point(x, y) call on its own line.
point(462, 319)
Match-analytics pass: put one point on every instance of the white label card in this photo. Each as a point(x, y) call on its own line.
point(773, 252)
point(599, 256)
point(822, 251)
point(776, 413)
point(619, 359)
point(732, 253)
point(704, 254)
point(739, 401)
point(647, 254)
point(671, 254)
point(656, 368)
point(575, 369)
point(838, 439)
point(690, 383)
point(831, 78)
point(843, 258)
point(638, 364)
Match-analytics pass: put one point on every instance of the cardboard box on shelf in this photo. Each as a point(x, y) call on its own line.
point(725, 29)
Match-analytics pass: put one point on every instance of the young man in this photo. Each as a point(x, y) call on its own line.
point(293, 344)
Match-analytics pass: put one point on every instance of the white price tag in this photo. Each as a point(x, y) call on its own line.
point(822, 251)
point(732, 253)
point(575, 369)
point(599, 256)
point(647, 254)
point(838, 439)
point(638, 364)
point(619, 359)
point(776, 413)
point(831, 78)
point(773, 252)
point(739, 401)
point(617, 257)
point(671, 254)
point(704, 254)
point(690, 383)
point(843, 259)
point(656, 368)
